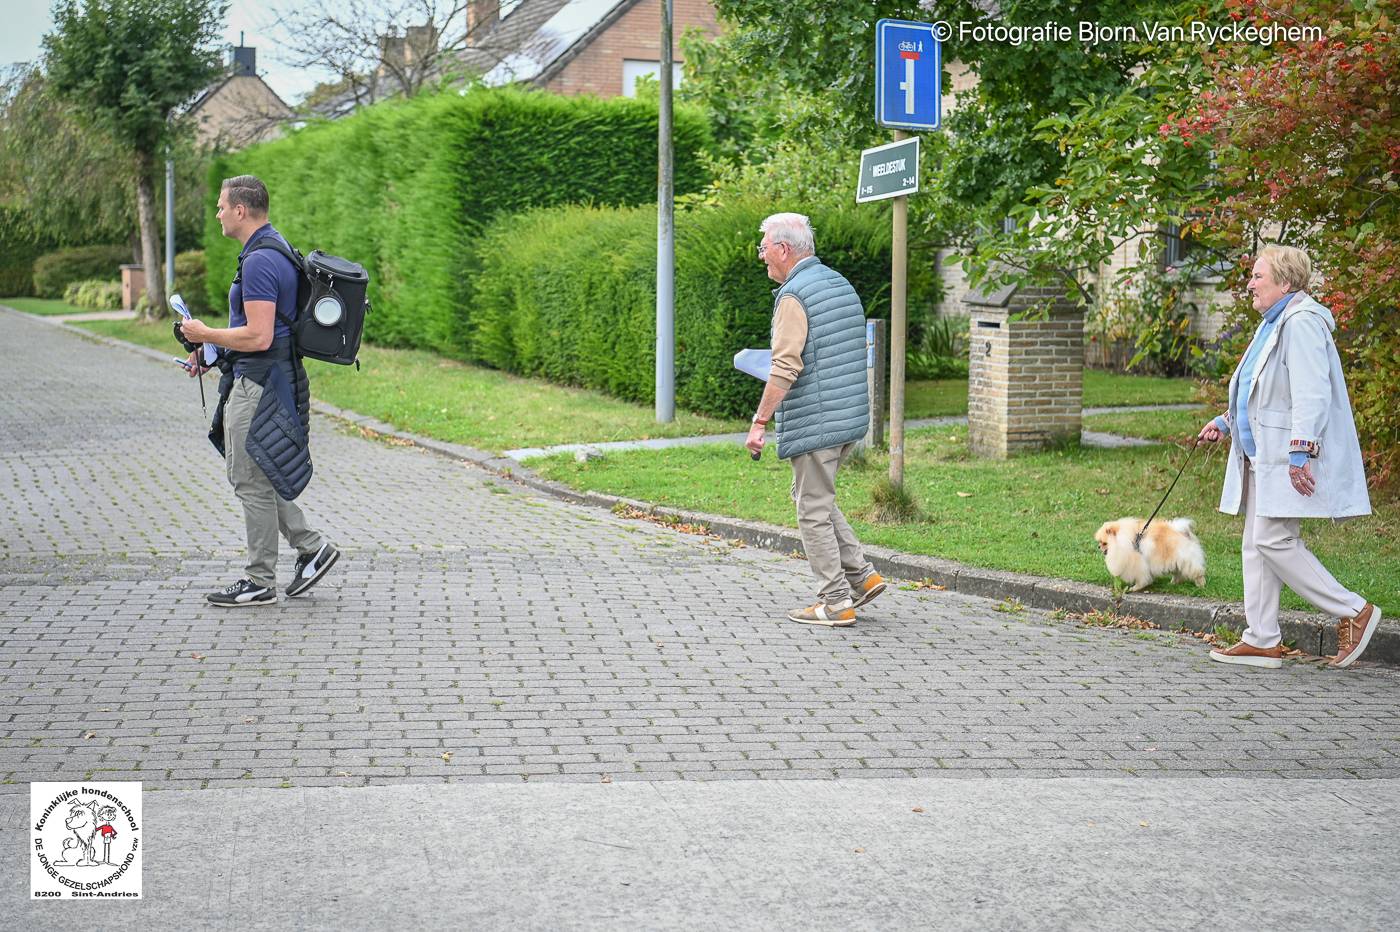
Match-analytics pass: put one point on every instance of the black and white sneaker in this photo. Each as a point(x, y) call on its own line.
point(244, 592)
point(311, 567)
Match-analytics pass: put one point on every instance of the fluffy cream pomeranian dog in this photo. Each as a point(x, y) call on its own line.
point(1168, 547)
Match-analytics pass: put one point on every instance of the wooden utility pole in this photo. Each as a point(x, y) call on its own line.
point(899, 267)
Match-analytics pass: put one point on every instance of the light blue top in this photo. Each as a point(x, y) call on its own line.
point(1240, 414)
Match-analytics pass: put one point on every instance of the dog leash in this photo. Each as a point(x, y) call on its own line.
point(1137, 539)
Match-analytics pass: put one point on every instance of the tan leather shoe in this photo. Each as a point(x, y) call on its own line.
point(869, 588)
point(1250, 656)
point(1354, 635)
point(832, 616)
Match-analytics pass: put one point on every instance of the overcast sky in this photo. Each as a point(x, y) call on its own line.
point(26, 21)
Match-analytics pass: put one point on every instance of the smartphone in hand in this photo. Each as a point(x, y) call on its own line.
point(181, 363)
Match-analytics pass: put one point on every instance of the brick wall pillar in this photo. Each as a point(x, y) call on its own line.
point(1026, 377)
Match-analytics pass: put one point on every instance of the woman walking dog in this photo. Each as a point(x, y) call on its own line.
point(1294, 454)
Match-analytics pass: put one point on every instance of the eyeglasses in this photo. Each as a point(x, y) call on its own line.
point(764, 247)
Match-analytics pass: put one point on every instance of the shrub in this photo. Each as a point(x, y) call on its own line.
point(406, 188)
point(569, 294)
point(1154, 316)
point(55, 271)
point(190, 284)
point(94, 294)
point(940, 349)
point(17, 266)
point(19, 247)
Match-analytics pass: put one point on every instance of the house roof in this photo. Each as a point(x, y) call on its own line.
point(556, 39)
point(532, 43)
point(208, 93)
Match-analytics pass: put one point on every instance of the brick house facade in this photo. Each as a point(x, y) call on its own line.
point(596, 47)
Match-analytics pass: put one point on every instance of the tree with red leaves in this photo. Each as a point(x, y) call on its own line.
point(1306, 146)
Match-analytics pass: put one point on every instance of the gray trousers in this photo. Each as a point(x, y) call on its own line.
point(1274, 556)
point(832, 549)
point(264, 511)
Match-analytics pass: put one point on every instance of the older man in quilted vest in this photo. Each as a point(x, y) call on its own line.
point(817, 390)
point(1294, 453)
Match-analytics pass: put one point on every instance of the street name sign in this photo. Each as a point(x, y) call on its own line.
point(891, 170)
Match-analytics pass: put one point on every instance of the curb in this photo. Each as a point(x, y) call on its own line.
point(1311, 632)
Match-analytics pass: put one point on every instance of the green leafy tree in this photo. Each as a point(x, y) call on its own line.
point(72, 181)
point(1306, 142)
point(993, 150)
point(128, 65)
point(64, 175)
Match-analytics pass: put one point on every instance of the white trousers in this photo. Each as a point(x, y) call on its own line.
point(1274, 556)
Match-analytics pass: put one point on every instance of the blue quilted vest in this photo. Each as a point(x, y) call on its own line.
point(827, 405)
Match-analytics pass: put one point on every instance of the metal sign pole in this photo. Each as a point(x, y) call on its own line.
point(169, 227)
point(899, 255)
point(665, 238)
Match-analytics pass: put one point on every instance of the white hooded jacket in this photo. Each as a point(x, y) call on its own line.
point(1299, 393)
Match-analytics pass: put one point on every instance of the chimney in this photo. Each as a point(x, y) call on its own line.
point(420, 42)
point(245, 59)
point(391, 50)
point(481, 16)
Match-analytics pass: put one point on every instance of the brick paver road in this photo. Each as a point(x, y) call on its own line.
point(477, 631)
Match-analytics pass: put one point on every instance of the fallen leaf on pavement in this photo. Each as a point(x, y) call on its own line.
point(607, 779)
point(447, 756)
point(918, 808)
point(197, 656)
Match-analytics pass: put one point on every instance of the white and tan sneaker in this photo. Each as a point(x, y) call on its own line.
point(838, 615)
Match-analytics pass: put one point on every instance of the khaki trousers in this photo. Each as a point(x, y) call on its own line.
point(832, 549)
point(264, 511)
point(1274, 556)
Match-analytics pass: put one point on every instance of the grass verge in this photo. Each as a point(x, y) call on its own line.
point(946, 397)
point(43, 307)
point(492, 410)
point(483, 408)
point(1034, 514)
point(1173, 426)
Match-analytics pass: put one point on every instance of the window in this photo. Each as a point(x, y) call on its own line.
point(1176, 249)
point(507, 7)
point(633, 69)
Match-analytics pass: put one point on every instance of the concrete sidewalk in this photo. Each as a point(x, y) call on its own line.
point(1082, 854)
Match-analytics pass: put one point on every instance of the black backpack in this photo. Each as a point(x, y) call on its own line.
point(331, 303)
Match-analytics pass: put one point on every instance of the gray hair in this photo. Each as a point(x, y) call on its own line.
point(1291, 266)
point(793, 229)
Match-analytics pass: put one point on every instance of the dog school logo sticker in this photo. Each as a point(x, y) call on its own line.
point(85, 841)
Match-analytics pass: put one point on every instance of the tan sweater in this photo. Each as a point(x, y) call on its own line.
point(789, 336)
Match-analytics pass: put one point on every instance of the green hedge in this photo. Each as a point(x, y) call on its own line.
point(569, 294)
point(406, 188)
point(55, 271)
point(19, 247)
point(190, 284)
point(94, 294)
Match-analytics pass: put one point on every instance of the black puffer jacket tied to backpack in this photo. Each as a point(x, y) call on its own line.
point(279, 438)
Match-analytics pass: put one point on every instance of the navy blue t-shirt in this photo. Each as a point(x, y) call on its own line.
point(267, 276)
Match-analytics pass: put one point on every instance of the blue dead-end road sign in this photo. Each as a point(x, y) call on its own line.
point(908, 75)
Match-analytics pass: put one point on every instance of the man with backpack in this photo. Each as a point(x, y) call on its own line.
point(262, 423)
